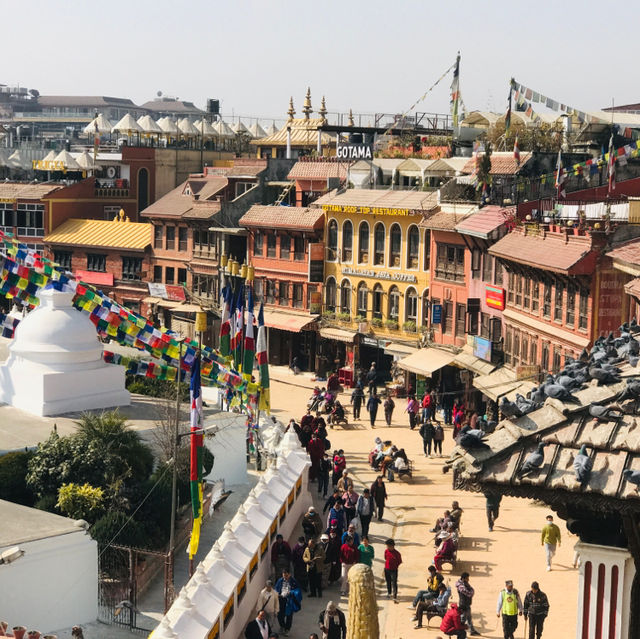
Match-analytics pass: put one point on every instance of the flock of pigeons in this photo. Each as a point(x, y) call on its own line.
point(601, 364)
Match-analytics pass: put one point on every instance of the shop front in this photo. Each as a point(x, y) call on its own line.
point(291, 335)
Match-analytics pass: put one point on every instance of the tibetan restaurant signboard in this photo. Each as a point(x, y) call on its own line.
point(316, 262)
point(494, 297)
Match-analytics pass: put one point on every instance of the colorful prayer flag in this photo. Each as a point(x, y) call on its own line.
point(263, 362)
point(249, 339)
point(516, 152)
point(197, 443)
point(225, 325)
point(560, 178)
point(611, 166)
point(455, 92)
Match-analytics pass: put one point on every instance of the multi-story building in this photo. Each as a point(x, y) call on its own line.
point(376, 279)
point(288, 277)
point(315, 176)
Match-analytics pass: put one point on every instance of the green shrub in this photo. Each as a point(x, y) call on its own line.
point(115, 527)
point(329, 315)
point(392, 325)
point(156, 387)
point(409, 327)
point(48, 503)
point(376, 322)
point(81, 501)
point(13, 478)
point(343, 317)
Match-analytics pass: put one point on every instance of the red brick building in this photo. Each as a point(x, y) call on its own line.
point(315, 176)
point(278, 246)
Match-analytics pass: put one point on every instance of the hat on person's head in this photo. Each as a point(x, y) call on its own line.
point(444, 535)
point(324, 537)
point(311, 509)
point(508, 582)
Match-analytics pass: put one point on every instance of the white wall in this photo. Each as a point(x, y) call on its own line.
point(54, 585)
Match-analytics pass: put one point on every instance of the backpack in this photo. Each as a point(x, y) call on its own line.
point(439, 434)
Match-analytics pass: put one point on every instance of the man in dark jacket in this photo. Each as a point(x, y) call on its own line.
point(357, 397)
point(258, 628)
point(493, 508)
point(332, 622)
point(536, 609)
point(465, 599)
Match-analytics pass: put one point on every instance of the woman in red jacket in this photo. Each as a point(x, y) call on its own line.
point(349, 555)
point(452, 625)
point(392, 559)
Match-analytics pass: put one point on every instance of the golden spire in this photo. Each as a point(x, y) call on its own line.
point(306, 109)
point(323, 110)
point(291, 112)
point(351, 123)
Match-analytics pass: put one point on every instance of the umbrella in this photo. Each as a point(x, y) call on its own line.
point(257, 131)
point(68, 161)
point(16, 161)
point(104, 126)
point(186, 128)
point(239, 127)
point(148, 124)
point(205, 129)
point(224, 130)
point(50, 157)
point(127, 125)
point(168, 126)
point(85, 161)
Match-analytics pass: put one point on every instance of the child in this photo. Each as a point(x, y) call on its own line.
point(392, 559)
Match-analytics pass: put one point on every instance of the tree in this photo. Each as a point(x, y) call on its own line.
point(13, 473)
point(544, 137)
point(81, 501)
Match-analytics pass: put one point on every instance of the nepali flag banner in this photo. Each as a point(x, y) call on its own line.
point(225, 325)
point(455, 92)
point(263, 363)
point(197, 443)
point(560, 178)
point(249, 339)
point(611, 166)
point(516, 152)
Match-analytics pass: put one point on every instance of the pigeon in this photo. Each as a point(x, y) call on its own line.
point(582, 465)
point(525, 405)
point(534, 460)
point(567, 381)
point(560, 392)
point(509, 409)
point(634, 327)
point(633, 360)
point(632, 476)
point(471, 438)
point(537, 395)
point(604, 413)
point(603, 376)
point(632, 391)
point(584, 356)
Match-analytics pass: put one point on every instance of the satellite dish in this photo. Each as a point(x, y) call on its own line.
point(159, 94)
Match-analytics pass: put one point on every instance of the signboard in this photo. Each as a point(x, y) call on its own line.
point(529, 372)
point(366, 210)
point(611, 309)
point(167, 292)
point(315, 302)
point(380, 275)
point(354, 152)
point(436, 314)
point(316, 262)
point(369, 341)
point(7, 200)
point(482, 348)
point(494, 297)
point(95, 277)
point(49, 165)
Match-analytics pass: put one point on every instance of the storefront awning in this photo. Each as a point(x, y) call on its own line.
point(502, 382)
point(338, 334)
point(393, 348)
point(426, 361)
point(292, 322)
point(466, 359)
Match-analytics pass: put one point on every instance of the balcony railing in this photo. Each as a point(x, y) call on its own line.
point(27, 231)
point(111, 192)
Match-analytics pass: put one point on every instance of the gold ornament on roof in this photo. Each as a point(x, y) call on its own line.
point(307, 109)
point(351, 122)
point(291, 112)
point(323, 110)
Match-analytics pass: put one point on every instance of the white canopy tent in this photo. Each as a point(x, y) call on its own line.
point(256, 131)
point(186, 128)
point(68, 161)
point(205, 129)
point(224, 130)
point(127, 125)
point(148, 124)
point(168, 126)
point(104, 126)
point(85, 161)
point(239, 127)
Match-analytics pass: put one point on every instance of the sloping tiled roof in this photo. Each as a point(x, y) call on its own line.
point(244, 170)
point(303, 133)
point(502, 163)
point(317, 170)
point(633, 287)
point(125, 235)
point(628, 252)
point(396, 199)
point(177, 204)
point(283, 217)
point(17, 190)
point(84, 100)
point(485, 222)
point(443, 221)
point(553, 251)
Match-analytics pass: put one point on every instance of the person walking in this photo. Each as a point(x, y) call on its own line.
point(258, 628)
point(269, 602)
point(332, 622)
point(339, 464)
point(336, 519)
point(372, 379)
point(551, 539)
point(392, 561)
point(297, 561)
point(332, 557)
point(372, 406)
point(388, 407)
point(280, 555)
point(379, 494)
point(427, 432)
point(324, 469)
point(315, 448)
point(509, 606)
point(349, 556)
point(350, 500)
point(367, 552)
point(290, 597)
point(438, 438)
point(364, 510)
point(412, 409)
point(465, 599)
point(536, 609)
point(357, 397)
point(314, 560)
point(493, 508)
point(426, 407)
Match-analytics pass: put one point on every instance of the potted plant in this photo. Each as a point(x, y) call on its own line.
point(376, 322)
point(409, 327)
point(344, 317)
point(328, 315)
point(391, 324)
point(360, 318)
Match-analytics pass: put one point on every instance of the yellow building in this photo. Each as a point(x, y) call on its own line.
point(376, 270)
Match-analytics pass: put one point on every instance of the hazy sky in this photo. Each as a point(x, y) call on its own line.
point(369, 55)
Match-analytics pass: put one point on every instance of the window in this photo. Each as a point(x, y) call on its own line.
point(29, 216)
point(524, 349)
point(157, 237)
point(298, 292)
point(6, 216)
point(182, 276)
point(196, 237)
point(559, 299)
point(285, 247)
point(485, 320)
point(447, 317)
point(527, 293)
point(413, 247)
point(535, 293)
point(516, 347)
point(258, 243)
point(394, 303)
point(169, 275)
point(271, 244)
point(63, 258)
point(497, 273)
point(258, 290)
point(347, 241)
point(472, 329)
point(476, 259)
point(311, 305)
point(378, 245)
point(243, 187)
point(511, 288)
point(427, 250)
point(345, 297)
point(395, 245)
point(131, 267)
point(283, 293)
point(330, 294)
point(557, 359)
point(363, 243)
point(182, 238)
point(487, 268)
point(571, 305)
point(496, 329)
point(96, 262)
point(533, 354)
point(377, 301)
point(450, 262)
point(508, 345)
point(411, 306)
point(332, 241)
point(362, 300)
point(583, 310)
point(157, 273)
point(544, 359)
point(546, 300)
point(425, 308)
point(461, 319)
point(270, 296)
point(298, 248)
point(170, 239)
point(518, 301)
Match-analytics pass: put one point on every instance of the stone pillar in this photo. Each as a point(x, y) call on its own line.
point(604, 591)
point(362, 622)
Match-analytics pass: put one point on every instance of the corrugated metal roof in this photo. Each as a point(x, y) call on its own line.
point(485, 221)
point(318, 170)
point(18, 190)
point(502, 163)
point(413, 200)
point(126, 235)
point(283, 217)
point(304, 132)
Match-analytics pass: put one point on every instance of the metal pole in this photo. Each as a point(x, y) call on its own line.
point(174, 478)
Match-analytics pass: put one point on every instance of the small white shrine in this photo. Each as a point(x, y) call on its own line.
point(55, 362)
